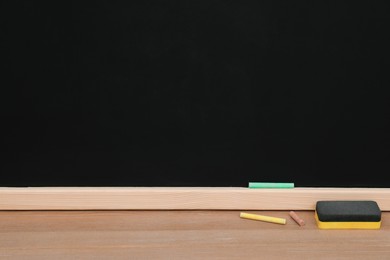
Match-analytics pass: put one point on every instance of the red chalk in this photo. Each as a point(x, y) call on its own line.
point(297, 219)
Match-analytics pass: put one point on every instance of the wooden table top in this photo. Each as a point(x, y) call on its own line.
point(181, 235)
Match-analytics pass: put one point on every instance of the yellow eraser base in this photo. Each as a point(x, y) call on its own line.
point(347, 225)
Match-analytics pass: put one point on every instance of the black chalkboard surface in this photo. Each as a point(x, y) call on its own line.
point(195, 93)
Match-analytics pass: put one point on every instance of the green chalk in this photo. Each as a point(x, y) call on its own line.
point(270, 185)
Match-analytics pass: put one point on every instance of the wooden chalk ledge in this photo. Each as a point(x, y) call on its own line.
point(181, 198)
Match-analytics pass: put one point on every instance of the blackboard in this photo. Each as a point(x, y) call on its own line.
point(195, 93)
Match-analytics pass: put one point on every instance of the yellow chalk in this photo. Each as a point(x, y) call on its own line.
point(263, 218)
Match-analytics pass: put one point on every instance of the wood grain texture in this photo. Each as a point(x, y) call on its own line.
point(175, 198)
point(180, 235)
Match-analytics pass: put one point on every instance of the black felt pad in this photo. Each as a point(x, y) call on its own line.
point(348, 211)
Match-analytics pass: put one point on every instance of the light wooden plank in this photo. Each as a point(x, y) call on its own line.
point(181, 198)
point(181, 235)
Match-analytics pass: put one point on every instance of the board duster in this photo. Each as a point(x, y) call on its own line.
point(363, 214)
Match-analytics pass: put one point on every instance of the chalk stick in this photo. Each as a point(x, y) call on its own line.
point(348, 215)
point(271, 185)
point(275, 220)
point(296, 218)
